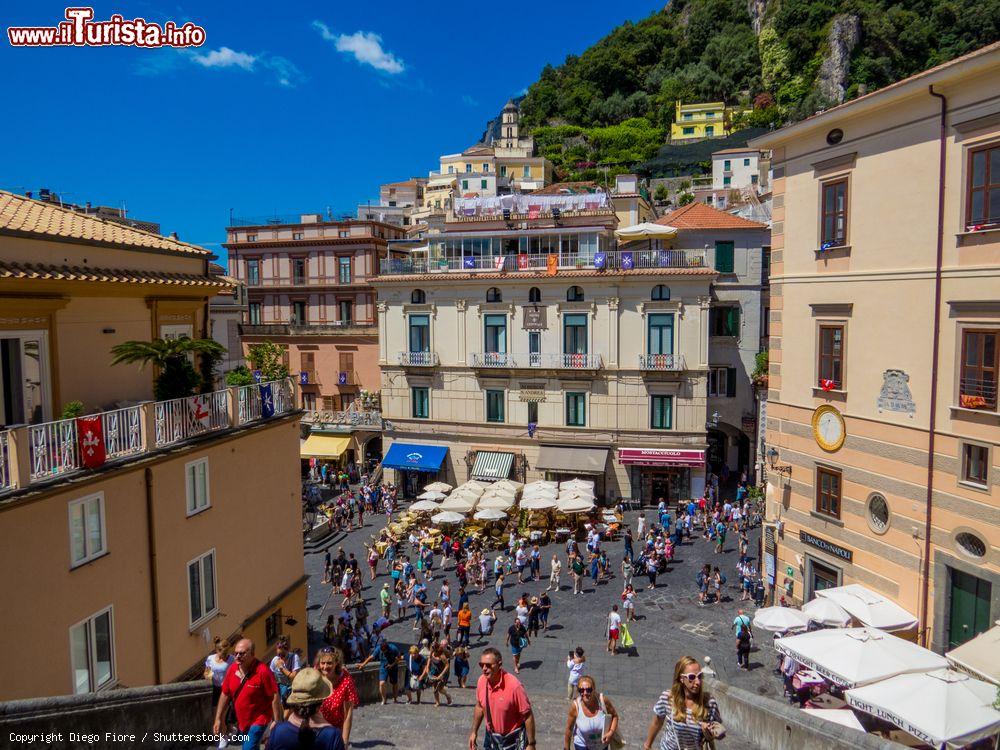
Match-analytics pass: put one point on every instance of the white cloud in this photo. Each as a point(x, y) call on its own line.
point(225, 58)
point(469, 101)
point(366, 46)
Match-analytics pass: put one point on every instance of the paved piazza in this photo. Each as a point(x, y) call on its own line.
point(671, 624)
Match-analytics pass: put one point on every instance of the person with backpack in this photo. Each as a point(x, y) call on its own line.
point(744, 639)
point(718, 581)
point(703, 580)
point(306, 727)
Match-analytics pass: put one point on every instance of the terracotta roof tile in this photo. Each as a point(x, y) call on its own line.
point(735, 150)
point(46, 272)
point(22, 215)
point(700, 216)
point(541, 274)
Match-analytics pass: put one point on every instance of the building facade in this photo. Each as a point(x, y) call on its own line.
point(226, 313)
point(535, 346)
point(882, 413)
point(125, 530)
point(701, 120)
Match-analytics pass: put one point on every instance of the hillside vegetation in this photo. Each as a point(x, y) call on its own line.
point(613, 104)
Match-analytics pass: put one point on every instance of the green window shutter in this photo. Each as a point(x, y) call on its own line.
point(730, 381)
point(724, 257)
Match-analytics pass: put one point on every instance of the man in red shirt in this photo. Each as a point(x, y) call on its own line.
point(250, 686)
point(501, 698)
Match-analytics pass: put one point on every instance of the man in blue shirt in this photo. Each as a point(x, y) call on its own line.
point(388, 660)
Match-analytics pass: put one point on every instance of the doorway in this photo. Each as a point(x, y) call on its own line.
point(24, 390)
point(820, 576)
point(970, 607)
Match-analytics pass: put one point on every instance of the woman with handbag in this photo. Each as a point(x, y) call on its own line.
point(592, 723)
point(517, 639)
point(691, 715)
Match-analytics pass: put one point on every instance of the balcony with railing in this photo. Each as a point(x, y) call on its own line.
point(346, 420)
point(977, 393)
point(661, 362)
point(535, 361)
point(320, 328)
point(299, 280)
point(612, 261)
point(418, 359)
point(40, 453)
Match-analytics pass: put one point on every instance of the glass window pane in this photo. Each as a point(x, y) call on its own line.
point(191, 489)
point(994, 214)
point(95, 536)
point(194, 590)
point(76, 533)
point(80, 656)
point(979, 169)
point(208, 579)
point(102, 649)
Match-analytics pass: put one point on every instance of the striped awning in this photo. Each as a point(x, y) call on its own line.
point(491, 465)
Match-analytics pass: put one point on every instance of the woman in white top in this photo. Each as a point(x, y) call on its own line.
point(576, 664)
point(216, 666)
point(521, 610)
point(592, 720)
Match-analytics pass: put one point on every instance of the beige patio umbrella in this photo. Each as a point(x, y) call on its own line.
point(489, 514)
point(509, 484)
point(448, 517)
point(500, 492)
point(438, 487)
point(425, 506)
point(431, 495)
point(459, 503)
point(575, 505)
point(477, 483)
point(538, 503)
point(495, 502)
point(645, 231)
point(577, 484)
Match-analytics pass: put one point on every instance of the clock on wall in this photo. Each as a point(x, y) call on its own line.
point(828, 428)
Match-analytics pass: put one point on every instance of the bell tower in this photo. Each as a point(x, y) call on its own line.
point(509, 127)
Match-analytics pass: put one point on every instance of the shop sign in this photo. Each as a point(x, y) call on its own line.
point(661, 457)
point(534, 318)
point(895, 394)
point(532, 394)
point(834, 549)
point(769, 567)
point(770, 546)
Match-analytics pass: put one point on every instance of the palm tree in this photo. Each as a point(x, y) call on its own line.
point(177, 376)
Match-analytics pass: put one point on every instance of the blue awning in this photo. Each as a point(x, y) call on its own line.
point(414, 457)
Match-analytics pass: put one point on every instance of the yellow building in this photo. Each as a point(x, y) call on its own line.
point(882, 414)
point(126, 532)
point(706, 120)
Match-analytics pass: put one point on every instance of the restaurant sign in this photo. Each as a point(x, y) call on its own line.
point(661, 457)
point(834, 549)
point(899, 721)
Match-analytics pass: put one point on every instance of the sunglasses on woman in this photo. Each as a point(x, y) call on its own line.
point(692, 677)
point(584, 690)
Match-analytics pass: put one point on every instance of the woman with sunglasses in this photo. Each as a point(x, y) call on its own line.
point(592, 720)
point(338, 707)
point(689, 712)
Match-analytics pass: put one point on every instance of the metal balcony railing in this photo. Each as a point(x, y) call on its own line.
point(5, 474)
point(499, 360)
point(977, 393)
point(348, 418)
point(183, 418)
point(249, 400)
point(612, 261)
point(661, 362)
point(418, 359)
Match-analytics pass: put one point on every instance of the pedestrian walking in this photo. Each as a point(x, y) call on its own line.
point(385, 599)
point(338, 707)
point(464, 624)
point(555, 570)
point(416, 668)
point(498, 590)
point(521, 562)
point(703, 580)
point(285, 665)
point(389, 658)
point(503, 702)
point(306, 727)
point(544, 607)
point(613, 628)
point(517, 639)
point(536, 563)
point(652, 568)
point(628, 600)
point(534, 619)
point(438, 669)
point(628, 570)
point(577, 568)
point(690, 713)
point(576, 663)
point(592, 721)
point(216, 665)
point(486, 619)
point(461, 665)
point(744, 639)
point(250, 688)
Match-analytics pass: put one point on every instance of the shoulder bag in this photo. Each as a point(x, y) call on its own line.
point(515, 740)
point(230, 718)
point(617, 741)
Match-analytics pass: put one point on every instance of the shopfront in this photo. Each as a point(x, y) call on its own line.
point(417, 465)
point(673, 475)
point(819, 573)
point(563, 463)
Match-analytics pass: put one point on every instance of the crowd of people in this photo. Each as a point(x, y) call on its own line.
point(429, 580)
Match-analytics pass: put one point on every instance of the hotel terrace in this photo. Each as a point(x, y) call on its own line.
point(125, 529)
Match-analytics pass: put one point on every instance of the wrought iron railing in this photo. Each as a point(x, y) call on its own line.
point(418, 359)
point(611, 260)
point(661, 362)
point(122, 432)
point(977, 393)
point(345, 418)
point(250, 399)
point(182, 418)
point(53, 449)
point(501, 360)
point(5, 476)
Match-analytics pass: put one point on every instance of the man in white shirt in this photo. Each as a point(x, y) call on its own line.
point(554, 575)
point(521, 560)
point(614, 628)
point(446, 618)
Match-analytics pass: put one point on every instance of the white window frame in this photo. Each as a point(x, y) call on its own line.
point(714, 370)
point(88, 554)
point(88, 622)
point(205, 615)
point(194, 509)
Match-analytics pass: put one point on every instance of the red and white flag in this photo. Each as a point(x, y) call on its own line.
point(198, 407)
point(90, 436)
point(826, 384)
point(499, 262)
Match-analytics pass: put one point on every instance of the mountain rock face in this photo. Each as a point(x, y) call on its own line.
point(845, 33)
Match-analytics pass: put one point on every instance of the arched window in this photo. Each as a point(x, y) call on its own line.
point(493, 294)
point(534, 294)
point(418, 297)
point(660, 292)
point(574, 294)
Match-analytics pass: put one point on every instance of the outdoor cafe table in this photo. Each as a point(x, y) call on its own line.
point(807, 678)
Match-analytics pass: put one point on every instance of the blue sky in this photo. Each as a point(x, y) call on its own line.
point(286, 107)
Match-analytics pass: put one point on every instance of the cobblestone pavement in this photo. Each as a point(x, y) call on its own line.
point(671, 624)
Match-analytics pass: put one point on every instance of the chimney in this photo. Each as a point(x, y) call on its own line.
point(173, 236)
point(28, 195)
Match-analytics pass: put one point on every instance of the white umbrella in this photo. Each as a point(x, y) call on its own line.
point(478, 483)
point(490, 514)
point(438, 487)
point(539, 484)
point(470, 492)
point(827, 612)
point(869, 607)
point(645, 231)
point(780, 619)
point(496, 503)
point(459, 503)
point(500, 492)
point(577, 484)
point(431, 495)
point(569, 510)
point(576, 495)
point(943, 708)
point(538, 503)
point(508, 484)
point(575, 505)
point(541, 492)
point(857, 656)
point(448, 516)
point(425, 506)
point(978, 657)
point(843, 716)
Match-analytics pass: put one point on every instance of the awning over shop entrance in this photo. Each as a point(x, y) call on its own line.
point(324, 446)
point(414, 457)
point(661, 457)
point(492, 465)
point(572, 460)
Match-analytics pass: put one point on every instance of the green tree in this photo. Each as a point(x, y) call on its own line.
point(268, 357)
point(661, 193)
point(176, 377)
point(684, 198)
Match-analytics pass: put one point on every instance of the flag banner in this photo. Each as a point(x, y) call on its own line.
point(499, 262)
point(552, 264)
point(303, 378)
point(600, 259)
point(198, 409)
point(468, 262)
point(90, 434)
point(522, 262)
point(266, 401)
point(628, 263)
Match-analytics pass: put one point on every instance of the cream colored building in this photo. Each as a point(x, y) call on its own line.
point(885, 334)
point(536, 347)
point(125, 536)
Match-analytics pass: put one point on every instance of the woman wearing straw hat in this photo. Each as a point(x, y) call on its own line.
point(305, 725)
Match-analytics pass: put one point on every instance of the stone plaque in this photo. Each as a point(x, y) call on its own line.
point(532, 394)
point(534, 318)
point(895, 394)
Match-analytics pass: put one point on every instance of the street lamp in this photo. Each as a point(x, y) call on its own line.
point(772, 460)
point(713, 421)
